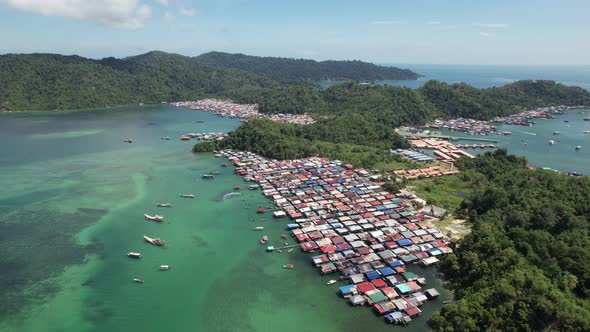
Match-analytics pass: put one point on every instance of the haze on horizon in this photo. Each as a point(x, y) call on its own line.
point(421, 31)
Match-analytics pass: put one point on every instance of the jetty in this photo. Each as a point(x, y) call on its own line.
point(353, 227)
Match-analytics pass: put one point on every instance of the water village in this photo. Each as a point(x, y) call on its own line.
point(229, 109)
point(352, 227)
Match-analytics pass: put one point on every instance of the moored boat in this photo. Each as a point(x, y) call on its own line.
point(237, 187)
point(331, 282)
point(163, 205)
point(207, 176)
point(134, 255)
point(140, 281)
point(154, 241)
point(185, 138)
point(264, 240)
point(128, 140)
point(164, 267)
point(259, 228)
point(260, 210)
point(288, 266)
point(187, 195)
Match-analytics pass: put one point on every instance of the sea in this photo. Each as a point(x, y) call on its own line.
point(72, 199)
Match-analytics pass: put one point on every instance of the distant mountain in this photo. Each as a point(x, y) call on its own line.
point(304, 69)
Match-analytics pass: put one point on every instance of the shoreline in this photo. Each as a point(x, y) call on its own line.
point(354, 228)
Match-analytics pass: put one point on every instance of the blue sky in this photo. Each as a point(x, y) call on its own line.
point(393, 31)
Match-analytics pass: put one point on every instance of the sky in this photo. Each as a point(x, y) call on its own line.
point(389, 31)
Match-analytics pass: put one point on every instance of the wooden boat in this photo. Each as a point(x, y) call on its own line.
point(290, 250)
point(237, 187)
point(153, 218)
point(264, 240)
point(283, 236)
point(140, 281)
point(163, 205)
point(260, 210)
point(154, 241)
point(187, 195)
point(185, 138)
point(134, 255)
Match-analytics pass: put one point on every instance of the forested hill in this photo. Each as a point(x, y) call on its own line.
point(525, 265)
point(50, 81)
point(305, 69)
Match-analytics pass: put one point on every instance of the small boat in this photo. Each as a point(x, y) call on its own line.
point(154, 241)
point(153, 218)
point(290, 250)
point(566, 121)
point(163, 205)
point(140, 281)
point(185, 138)
point(207, 176)
point(187, 195)
point(164, 267)
point(134, 255)
point(331, 282)
point(215, 173)
point(283, 236)
point(253, 186)
point(578, 147)
point(288, 266)
point(551, 142)
point(264, 240)
point(128, 140)
point(237, 187)
point(224, 165)
point(586, 132)
point(260, 210)
point(259, 228)
point(556, 133)
point(586, 119)
point(165, 138)
point(200, 121)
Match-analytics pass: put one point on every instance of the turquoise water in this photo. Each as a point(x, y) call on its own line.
point(532, 142)
point(72, 198)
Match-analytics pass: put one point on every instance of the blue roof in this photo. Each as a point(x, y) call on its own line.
point(344, 290)
point(386, 271)
point(389, 212)
point(371, 275)
point(381, 207)
point(337, 225)
point(393, 316)
point(404, 242)
point(354, 189)
point(396, 264)
point(292, 226)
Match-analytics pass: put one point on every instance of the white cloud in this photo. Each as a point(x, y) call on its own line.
point(168, 16)
point(487, 34)
point(164, 2)
point(123, 14)
point(187, 11)
point(386, 22)
point(492, 25)
point(434, 22)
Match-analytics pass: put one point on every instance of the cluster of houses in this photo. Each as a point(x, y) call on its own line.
point(443, 149)
point(466, 125)
point(229, 109)
point(524, 118)
point(354, 228)
point(434, 171)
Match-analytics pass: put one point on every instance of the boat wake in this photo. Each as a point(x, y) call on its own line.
point(528, 133)
point(229, 195)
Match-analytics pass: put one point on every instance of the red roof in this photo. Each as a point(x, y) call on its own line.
point(328, 249)
point(364, 287)
point(379, 283)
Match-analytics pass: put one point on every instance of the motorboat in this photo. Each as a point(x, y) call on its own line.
point(154, 241)
point(163, 205)
point(551, 142)
point(264, 240)
point(331, 282)
point(153, 218)
point(578, 147)
point(288, 266)
point(139, 281)
point(207, 176)
point(134, 255)
point(128, 140)
point(187, 195)
point(164, 267)
point(259, 228)
point(165, 138)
